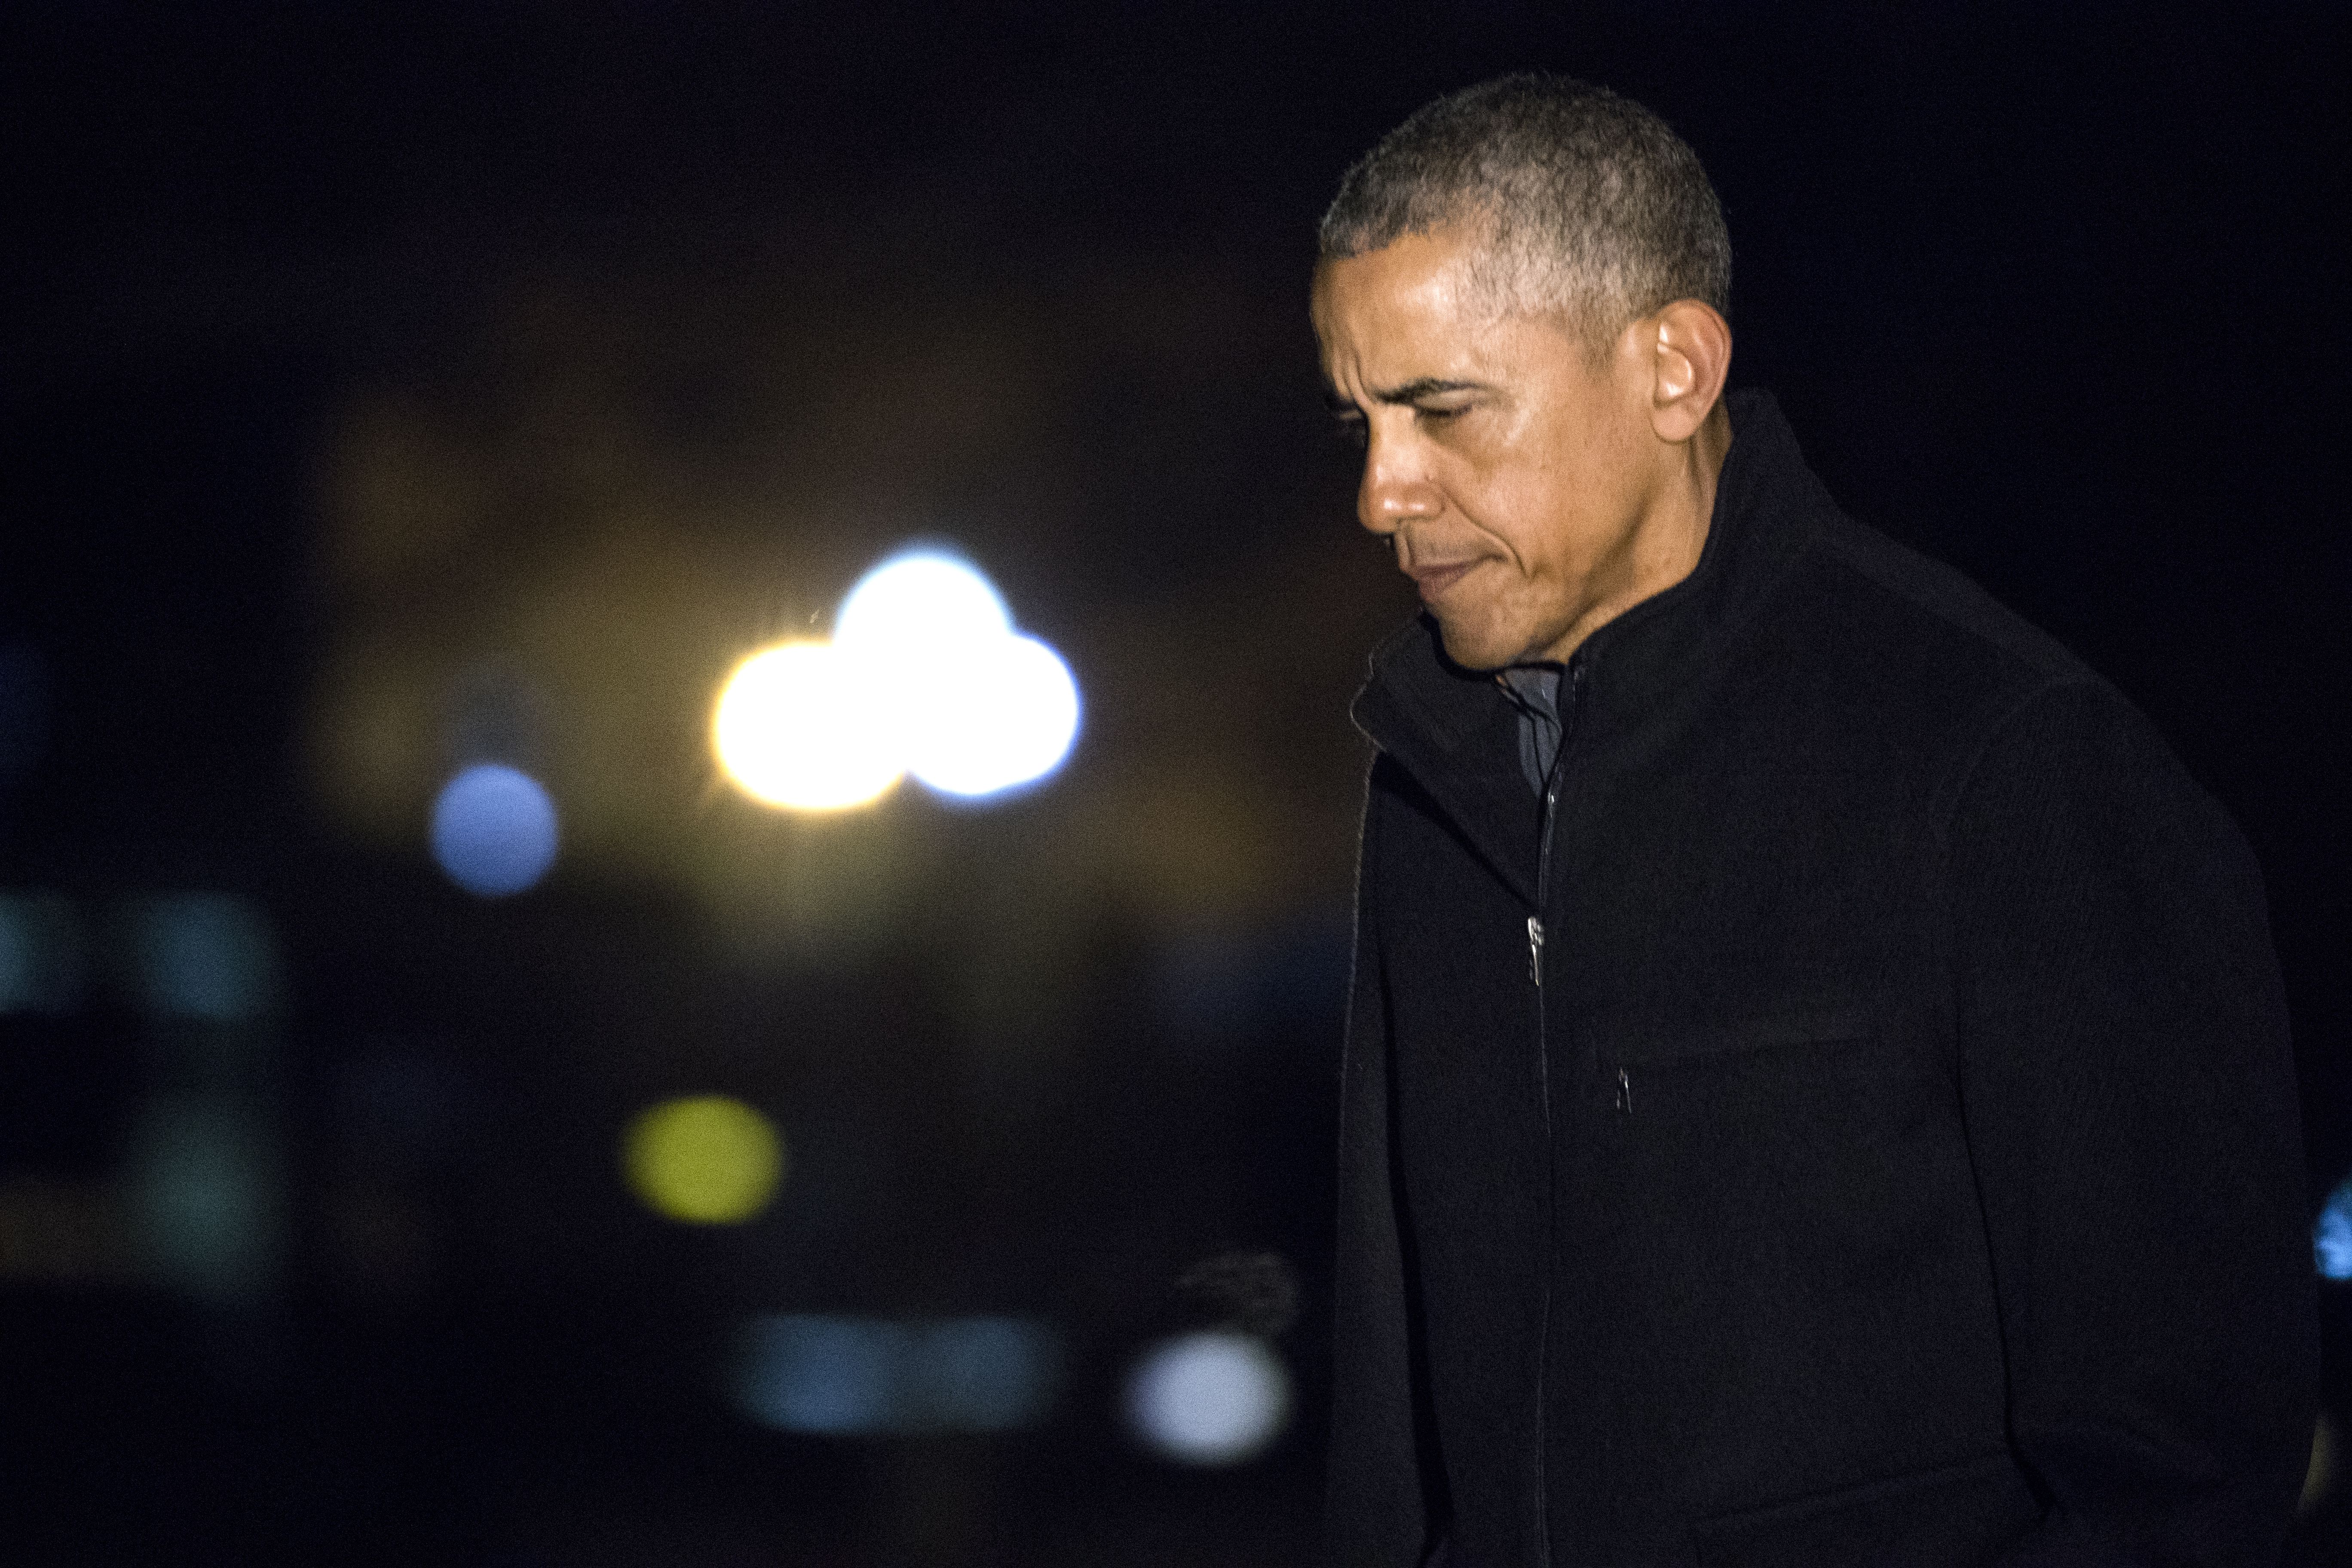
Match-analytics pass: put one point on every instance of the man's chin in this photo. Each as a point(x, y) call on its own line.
point(1476, 648)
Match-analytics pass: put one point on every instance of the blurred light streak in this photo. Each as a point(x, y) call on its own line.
point(2319, 1477)
point(707, 1160)
point(1209, 1398)
point(847, 1376)
point(208, 956)
point(801, 726)
point(42, 965)
point(2331, 1237)
point(494, 830)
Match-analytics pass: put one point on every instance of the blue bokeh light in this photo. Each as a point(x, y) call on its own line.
point(835, 1376)
point(2331, 1237)
point(494, 830)
point(984, 1374)
point(841, 1376)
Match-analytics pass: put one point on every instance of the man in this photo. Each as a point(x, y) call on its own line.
point(1817, 1090)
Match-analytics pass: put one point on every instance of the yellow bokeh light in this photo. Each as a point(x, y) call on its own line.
point(802, 726)
point(707, 1160)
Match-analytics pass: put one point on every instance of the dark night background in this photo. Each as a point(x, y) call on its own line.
point(375, 378)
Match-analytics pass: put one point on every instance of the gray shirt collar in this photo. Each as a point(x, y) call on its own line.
point(1534, 690)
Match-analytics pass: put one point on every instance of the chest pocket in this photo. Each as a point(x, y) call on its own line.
point(1653, 1042)
point(1800, 1059)
point(1803, 1130)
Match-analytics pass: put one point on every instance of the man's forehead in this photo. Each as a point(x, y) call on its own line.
point(1430, 269)
point(1399, 316)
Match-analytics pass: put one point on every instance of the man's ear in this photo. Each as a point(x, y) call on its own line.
point(1690, 355)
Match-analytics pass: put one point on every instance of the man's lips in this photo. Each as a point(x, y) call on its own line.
point(1434, 578)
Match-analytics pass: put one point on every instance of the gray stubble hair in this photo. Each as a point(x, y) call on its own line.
point(1594, 209)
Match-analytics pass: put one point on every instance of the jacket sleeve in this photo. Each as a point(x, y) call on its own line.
point(2130, 1103)
point(1382, 1507)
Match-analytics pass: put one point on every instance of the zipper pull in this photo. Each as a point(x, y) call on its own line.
point(1535, 949)
point(1624, 1092)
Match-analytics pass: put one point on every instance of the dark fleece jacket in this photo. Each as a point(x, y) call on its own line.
point(1898, 1162)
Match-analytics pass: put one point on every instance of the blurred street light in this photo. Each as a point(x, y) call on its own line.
point(802, 726)
point(1000, 715)
point(916, 607)
point(925, 675)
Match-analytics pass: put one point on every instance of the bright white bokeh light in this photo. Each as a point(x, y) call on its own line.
point(1003, 713)
point(2331, 1237)
point(1209, 1398)
point(494, 830)
point(918, 607)
point(805, 725)
point(924, 675)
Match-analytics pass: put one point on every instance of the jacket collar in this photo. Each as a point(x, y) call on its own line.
point(1434, 716)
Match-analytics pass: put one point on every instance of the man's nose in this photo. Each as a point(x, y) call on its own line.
point(1395, 489)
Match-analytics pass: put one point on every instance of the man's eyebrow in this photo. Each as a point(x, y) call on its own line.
point(1410, 392)
point(1427, 386)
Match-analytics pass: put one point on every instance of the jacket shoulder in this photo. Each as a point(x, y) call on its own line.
point(1872, 649)
point(1940, 609)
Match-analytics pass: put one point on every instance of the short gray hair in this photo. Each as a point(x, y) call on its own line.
point(1595, 209)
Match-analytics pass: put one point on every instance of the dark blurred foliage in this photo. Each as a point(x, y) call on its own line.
point(373, 379)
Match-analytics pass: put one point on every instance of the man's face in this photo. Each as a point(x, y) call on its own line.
point(1511, 471)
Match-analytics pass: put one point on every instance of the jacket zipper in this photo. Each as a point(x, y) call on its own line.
point(1571, 690)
